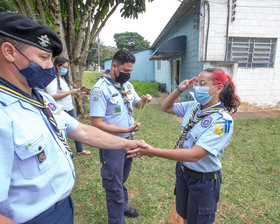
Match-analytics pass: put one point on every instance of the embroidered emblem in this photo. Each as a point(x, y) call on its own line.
point(96, 93)
point(129, 92)
point(117, 110)
point(44, 40)
point(219, 130)
point(227, 125)
point(206, 121)
point(95, 98)
point(52, 106)
point(128, 86)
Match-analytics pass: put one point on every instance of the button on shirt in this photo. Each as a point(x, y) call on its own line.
point(106, 101)
point(209, 133)
point(65, 103)
point(36, 170)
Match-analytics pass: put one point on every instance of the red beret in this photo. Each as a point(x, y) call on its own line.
point(24, 29)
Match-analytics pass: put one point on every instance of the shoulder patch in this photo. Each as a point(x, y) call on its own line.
point(95, 95)
point(219, 130)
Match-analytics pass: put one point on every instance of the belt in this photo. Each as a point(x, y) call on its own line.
point(199, 175)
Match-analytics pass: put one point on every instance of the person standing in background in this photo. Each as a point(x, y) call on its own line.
point(61, 90)
point(111, 109)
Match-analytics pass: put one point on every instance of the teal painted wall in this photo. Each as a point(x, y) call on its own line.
point(190, 65)
point(143, 69)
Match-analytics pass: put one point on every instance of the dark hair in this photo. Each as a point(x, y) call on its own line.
point(123, 56)
point(17, 44)
point(58, 62)
point(228, 95)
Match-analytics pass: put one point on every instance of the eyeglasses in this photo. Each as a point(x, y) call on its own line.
point(66, 67)
point(200, 83)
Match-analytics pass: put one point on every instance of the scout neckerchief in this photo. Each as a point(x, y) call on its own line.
point(37, 101)
point(120, 88)
point(192, 121)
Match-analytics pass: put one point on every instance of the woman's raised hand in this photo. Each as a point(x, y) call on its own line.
point(186, 84)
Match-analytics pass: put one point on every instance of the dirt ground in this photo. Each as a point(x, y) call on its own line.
point(237, 115)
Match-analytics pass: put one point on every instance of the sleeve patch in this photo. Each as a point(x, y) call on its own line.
point(219, 130)
point(96, 95)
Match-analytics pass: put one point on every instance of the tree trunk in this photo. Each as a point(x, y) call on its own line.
point(79, 99)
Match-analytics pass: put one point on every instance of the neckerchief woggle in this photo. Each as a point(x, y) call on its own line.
point(37, 101)
point(192, 121)
point(120, 88)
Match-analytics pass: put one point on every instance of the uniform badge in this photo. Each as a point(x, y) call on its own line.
point(219, 130)
point(227, 126)
point(117, 109)
point(95, 95)
point(52, 106)
point(41, 156)
point(128, 86)
point(44, 40)
point(206, 121)
point(129, 92)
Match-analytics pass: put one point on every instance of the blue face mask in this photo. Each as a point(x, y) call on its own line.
point(63, 71)
point(201, 95)
point(36, 76)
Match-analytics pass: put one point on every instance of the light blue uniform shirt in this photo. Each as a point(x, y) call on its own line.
point(209, 133)
point(29, 187)
point(106, 101)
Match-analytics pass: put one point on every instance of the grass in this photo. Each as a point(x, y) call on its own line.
point(251, 180)
point(150, 184)
point(140, 87)
point(250, 190)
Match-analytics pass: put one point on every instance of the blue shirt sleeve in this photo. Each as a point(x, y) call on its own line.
point(215, 139)
point(98, 102)
point(6, 155)
point(180, 109)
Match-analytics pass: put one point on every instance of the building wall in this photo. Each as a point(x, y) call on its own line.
point(143, 69)
point(190, 66)
point(257, 87)
point(163, 73)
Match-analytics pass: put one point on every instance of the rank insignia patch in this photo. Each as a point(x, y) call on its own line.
point(219, 130)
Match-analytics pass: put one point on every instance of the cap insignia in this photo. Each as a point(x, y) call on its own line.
point(44, 40)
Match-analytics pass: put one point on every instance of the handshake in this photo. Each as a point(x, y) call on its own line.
point(138, 148)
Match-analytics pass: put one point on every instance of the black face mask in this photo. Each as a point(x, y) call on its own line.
point(123, 77)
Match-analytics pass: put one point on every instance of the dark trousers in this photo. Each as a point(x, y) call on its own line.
point(114, 172)
point(196, 199)
point(61, 212)
point(78, 145)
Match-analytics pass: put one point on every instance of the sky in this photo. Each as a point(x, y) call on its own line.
point(149, 24)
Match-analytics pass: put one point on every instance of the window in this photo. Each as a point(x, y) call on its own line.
point(158, 65)
point(251, 52)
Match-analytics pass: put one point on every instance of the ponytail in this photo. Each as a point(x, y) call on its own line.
point(228, 95)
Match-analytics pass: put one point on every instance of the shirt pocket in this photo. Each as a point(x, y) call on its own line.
point(32, 158)
point(194, 136)
point(114, 106)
